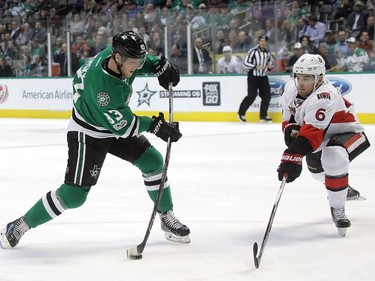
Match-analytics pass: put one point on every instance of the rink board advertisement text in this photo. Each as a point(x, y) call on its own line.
point(196, 98)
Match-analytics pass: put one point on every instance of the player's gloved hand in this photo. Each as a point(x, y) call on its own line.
point(291, 165)
point(164, 130)
point(167, 72)
point(290, 133)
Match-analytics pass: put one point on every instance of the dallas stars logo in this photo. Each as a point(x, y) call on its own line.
point(95, 172)
point(145, 95)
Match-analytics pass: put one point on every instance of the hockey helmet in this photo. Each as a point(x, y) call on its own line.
point(311, 65)
point(129, 45)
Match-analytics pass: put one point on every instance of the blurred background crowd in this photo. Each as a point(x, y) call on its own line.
point(53, 38)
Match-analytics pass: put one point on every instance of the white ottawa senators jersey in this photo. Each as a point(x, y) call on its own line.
point(321, 115)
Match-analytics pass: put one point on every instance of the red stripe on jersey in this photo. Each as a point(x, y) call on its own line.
point(337, 183)
point(342, 117)
point(312, 134)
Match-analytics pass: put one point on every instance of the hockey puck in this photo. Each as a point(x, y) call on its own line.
point(135, 257)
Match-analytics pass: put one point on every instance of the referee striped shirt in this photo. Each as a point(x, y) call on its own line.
point(256, 57)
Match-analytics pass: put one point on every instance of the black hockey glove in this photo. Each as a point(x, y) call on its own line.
point(164, 130)
point(290, 133)
point(167, 73)
point(290, 166)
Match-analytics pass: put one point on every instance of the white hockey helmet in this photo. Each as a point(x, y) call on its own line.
point(311, 65)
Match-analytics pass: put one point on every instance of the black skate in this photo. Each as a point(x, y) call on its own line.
point(340, 220)
point(11, 235)
point(353, 194)
point(173, 228)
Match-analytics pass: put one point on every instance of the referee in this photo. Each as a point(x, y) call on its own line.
point(257, 61)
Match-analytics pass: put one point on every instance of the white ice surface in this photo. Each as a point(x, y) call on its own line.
point(224, 184)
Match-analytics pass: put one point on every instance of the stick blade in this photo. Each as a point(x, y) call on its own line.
point(133, 253)
point(255, 253)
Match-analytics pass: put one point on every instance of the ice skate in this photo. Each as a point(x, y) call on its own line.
point(11, 235)
point(173, 228)
point(340, 220)
point(353, 194)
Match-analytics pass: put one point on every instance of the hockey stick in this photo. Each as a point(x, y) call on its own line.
point(258, 256)
point(135, 253)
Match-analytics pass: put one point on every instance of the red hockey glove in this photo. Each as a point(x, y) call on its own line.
point(291, 165)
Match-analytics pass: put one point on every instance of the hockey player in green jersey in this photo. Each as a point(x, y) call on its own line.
point(102, 123)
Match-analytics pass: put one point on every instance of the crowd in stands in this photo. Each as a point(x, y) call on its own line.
point(341, 31)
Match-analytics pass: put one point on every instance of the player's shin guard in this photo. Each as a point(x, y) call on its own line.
point(151, 165)
point(54, 203)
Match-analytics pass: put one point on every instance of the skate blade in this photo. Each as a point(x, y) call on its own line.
point(4, 244)
point(175, 238)
point(342, 231)
point(359, 198)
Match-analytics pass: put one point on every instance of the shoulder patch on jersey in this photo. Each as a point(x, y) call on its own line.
point(103, 99)
point(324, 95)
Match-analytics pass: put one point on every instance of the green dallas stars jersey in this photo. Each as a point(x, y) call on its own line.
point(101, 100)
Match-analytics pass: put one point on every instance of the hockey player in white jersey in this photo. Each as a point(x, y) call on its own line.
point(318, 122)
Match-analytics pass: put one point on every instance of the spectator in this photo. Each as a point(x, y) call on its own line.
point(55, 22)
point(232, 39)
point(297, 52)
point(157, 43)
point(62, 60)
point(243, 44)
point(370, 27)
point(12, 51)
point(329, 59)
point(365, 43)
point(25, 35)
point(307, 45)
point(356, 57)
point(272, 32)
point(145, 37)
point(356, 20)
point(77, 26)
point(300, 29)
point(343, 12)
point(331, 41)
point(39, 32)
point(220, 41)
point(150, 15)
point(37, 48)
point(38, 68)
point(179, 58)
point(287, 33)
point(152, 51)
point(229, 63)
point(98, 46)
point(198, 22)
point(25, 67)
point(316, 30)
point(5, 68)
point(56, 46)
point(202, 62)
point(81, 45)
point(15, 30)
point(341, 48)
